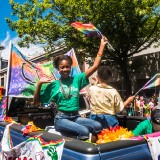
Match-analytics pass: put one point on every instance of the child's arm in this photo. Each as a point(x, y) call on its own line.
point(130, 99)
point(97, 61)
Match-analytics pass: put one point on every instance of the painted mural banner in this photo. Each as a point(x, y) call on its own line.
point(34, 148)
point(23, 74)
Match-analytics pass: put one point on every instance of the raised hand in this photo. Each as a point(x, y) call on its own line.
point(104, 40)
point(45, 80)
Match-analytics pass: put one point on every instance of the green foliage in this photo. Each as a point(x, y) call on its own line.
point(130, 25)
point(126, 23)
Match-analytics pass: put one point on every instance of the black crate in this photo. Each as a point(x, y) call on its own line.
point(41, 120)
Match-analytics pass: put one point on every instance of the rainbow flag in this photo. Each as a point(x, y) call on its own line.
point(87, 29)
point(153, 82)
point(23, 75)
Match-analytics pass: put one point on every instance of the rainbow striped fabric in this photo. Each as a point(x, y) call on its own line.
point(87, 29)
point(153, 82)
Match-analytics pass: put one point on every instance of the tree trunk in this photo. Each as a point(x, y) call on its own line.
point(126, 77)
point(127, 82)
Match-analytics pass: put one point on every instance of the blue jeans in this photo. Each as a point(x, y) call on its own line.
point(106, 120)
point(76, 126)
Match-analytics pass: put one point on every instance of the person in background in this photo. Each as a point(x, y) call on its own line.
point(149, 125)
point(157, 99)
point(65, 92)
point(137, 105)
point(105, 101)
point(141, 105)
point(129, 109)
point(151, 103)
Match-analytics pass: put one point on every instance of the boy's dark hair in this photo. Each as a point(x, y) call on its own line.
point(60, 58)
point(155, 116)
point(104, 73)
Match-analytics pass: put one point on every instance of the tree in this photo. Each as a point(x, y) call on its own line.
point(130, 26)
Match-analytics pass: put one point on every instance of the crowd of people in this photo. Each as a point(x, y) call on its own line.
point(142, 105)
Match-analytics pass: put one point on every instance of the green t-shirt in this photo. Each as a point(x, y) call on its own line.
point(73, 85)
point(145, 127)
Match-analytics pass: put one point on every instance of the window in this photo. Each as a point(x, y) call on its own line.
point(2, 81)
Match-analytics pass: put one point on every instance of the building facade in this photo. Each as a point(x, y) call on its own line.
point(146, 66)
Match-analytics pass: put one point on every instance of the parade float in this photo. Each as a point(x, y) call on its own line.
point(23, 126)
point(25, 123)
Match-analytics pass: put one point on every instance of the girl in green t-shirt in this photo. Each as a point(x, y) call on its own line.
point(65, 92)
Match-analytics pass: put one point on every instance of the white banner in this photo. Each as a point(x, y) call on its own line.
point(154, 147)
point(34, 148)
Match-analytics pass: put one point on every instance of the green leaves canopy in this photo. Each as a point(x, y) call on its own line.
point(129, 25)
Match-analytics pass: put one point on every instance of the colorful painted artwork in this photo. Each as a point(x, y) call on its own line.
point(34, 148)
point(23, 74)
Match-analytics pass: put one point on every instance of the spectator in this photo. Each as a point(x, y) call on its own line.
point(65, 92)
point(137, 105)
point(151, 104)
point(141, 104)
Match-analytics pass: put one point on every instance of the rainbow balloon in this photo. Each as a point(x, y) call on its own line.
point(87, 29)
